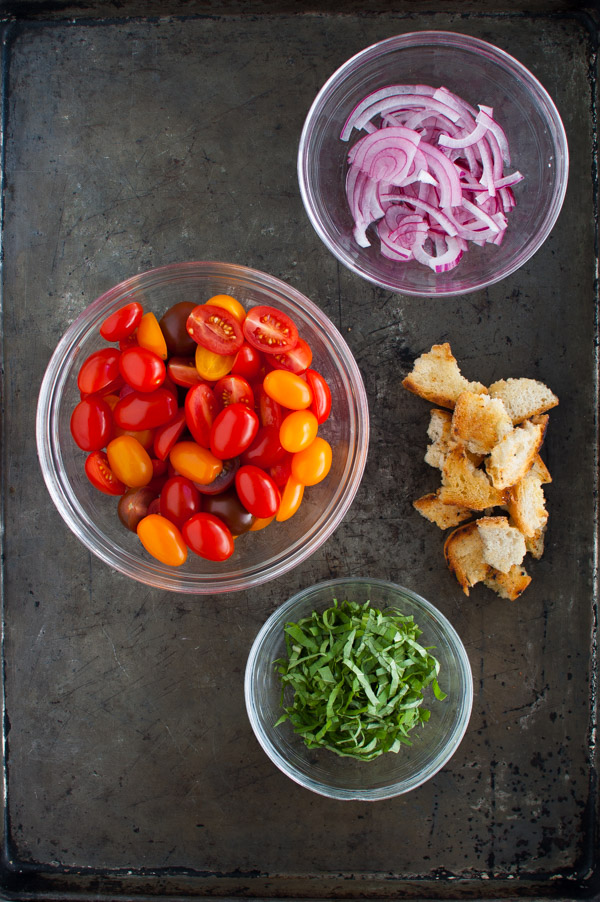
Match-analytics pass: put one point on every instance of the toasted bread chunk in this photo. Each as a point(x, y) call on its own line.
point(503, 544)
point(463, 550)
point(523, 398)
point(508, 585)
point(535, 543)
point(539, 469)
point(514, 455)
point(527, 505)
point(440, 423)
point(463, 483)
point(443, 515)
point(437, 378)
point(479, 422)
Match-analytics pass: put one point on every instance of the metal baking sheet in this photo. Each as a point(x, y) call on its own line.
point(130, 769)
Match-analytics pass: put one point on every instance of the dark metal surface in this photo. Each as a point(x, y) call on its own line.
point(130, 766)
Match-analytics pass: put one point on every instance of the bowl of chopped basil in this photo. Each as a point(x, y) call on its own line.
point(358, 689)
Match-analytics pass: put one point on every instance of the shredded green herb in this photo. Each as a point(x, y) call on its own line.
point(358, 675)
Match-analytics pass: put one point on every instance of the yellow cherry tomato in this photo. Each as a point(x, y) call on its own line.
point(162, 539)
point(197, 463)
point(144, 436)
point(150, 336)
point(129, 461)
point(298, 430)
point(260, 523)
point(211, 366)
point(291, 498)
point(228, 303)
point(288, 389)
point(313, 464)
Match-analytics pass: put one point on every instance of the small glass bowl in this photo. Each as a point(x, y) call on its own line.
point(259, 556)
point(391, 774)
point(479, 73)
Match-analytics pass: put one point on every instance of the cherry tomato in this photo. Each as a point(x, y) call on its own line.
point(288, 389)
point(99, 473)
point(200, 412)
point(270, 330)
point(228, 508)
point(133, 506)
point(298, 430)
point(215, 329)
point(266, 450)
point(224, 480)
point(129, 342)
point(208, 537)
point(313, 464)
point(261, 523)
point(182, 371)
point(92, 423)
point(179, 500)
point(173, 327)
point(297, 360)
point(149, 335)
point(321, 403)
point(257, 491)
point(129, 461)
point(142, 369)
point(99, 371)
point(144, 436)
point(233, 431)
point(233, 390)
point(162, 539)
point(160, 475)
point(166, 436)
point(291, 498)
point(281, 472)
point(122, 323)
point(145, 410)
point(228, 303)
point(270, 412)
point(211, 366)
point(197, 463)
point(247, 363)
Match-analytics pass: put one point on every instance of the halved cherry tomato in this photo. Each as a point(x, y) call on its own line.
point(228, 303)
point(298, 430)
point(247, 363)
point(288, 389)
point(99, 371)
point(166, 436)
point(297, 360)
point(207, 536)
point(233, 431)
point(270, 330)
point(211, 366)
point(233, 389)
point(122, 323)
point(173, 327)
point(162, 539)
point(321, 403)
point(142, 369)
point(224, 480)
point(291, 498)
point(200, 411)
point(145, 410)
point(129, 461)
point(266, 450)
point(215, 328)
point(99, 473)
point(133, 506)
point(228, 508)
point(182, 371)
point(179, 500)
point(257, 491)
point(197, 463)
point(149, 335)
point(313, 464)
point(92, 423)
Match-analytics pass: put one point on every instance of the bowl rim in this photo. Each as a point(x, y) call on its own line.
point(149, 572)
point(276, 620)
point(447, 39)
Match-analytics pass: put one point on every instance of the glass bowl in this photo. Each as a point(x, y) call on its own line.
point(479, 73)
point(390, 774)
point(259, 556)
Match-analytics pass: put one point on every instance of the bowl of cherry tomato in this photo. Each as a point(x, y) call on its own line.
point(202, 427)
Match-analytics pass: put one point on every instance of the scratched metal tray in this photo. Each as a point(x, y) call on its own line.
point(135, 134)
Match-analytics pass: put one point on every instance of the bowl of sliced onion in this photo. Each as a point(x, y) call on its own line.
point(433, 164)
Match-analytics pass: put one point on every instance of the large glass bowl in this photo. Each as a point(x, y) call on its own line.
point(479, 73)
point(390, 774)
point(259, 556)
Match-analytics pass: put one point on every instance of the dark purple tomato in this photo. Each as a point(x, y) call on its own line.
point(224, 480)
point(133, 506)
point(228, 507)
point(173, 326)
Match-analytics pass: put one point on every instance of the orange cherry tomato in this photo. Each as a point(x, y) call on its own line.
point(129, 461)
point(298, 430)
point(226, 302)
point(211, 366)
point(313, 464)
point(291, 498)
point(260, 523)
point(162, 539)
point(150, 336)
point(197, 463)
point(288, 389)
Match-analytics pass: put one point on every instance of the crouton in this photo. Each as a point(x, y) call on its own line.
point(508, 585)
point(463, 550)
point(437, 377)
point(503, 544)
point(514, 455)
point(527, 504)
point(443, 515)
point(535, 543)
point(463, 483)
point(539, 469)
point(479, 422)
point(439, 432)
point(523, 398)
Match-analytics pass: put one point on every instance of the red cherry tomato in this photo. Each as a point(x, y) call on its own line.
point(162, 539)
point(215, 329)
point(200, 412)
point(179, 500)
point(281, 472)
point(266, 450)
point(270, 412)
point(166, 436)
point(182, 371)
point(142, 369)
point(233, 390)
point(270, 330)
point(295, 361)
point(321, 403)
point(233, 431)
point(257, 491)
point(129, 342)
point(207, 536)
point(99, 371)
point(247, 363)
point(122, 323)
point(145, 410)
point(92, 423)
point(99, 473)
